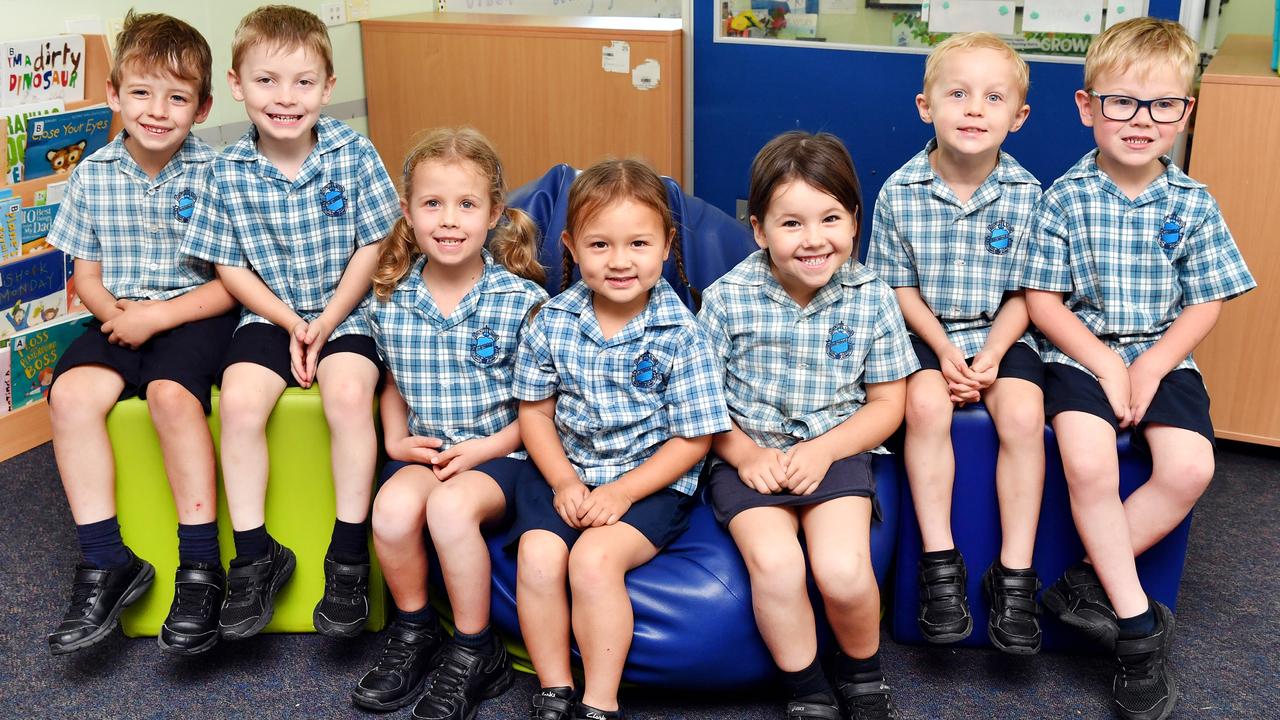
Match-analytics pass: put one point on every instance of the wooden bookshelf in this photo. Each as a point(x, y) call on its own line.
point(28, 427)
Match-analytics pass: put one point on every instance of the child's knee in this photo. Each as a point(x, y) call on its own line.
point(397, 514)
point(594, 566)
point(1090, 474)
point(1188, 475)
point(242, 409)
point(778, 566)
point(541, 561)
point(169, 400)
point(347, 401)
point(70, 405)
point(1021, 421)
point(847, 580)
point(928, 411)
point(451, 511)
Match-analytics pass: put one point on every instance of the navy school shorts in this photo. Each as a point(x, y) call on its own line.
point(1020, 361)
point(1180, 401)
point(661, 517)
point(849, 476)
point(506, 471)
point(267, 345)
point(190, 355)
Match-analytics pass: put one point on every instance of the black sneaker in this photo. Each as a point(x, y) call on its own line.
point(804, 710)
point(97, 598)
point(867, 700)
point(1077, 599)
point(944, 607)
point(251, 592)
point(410, 651)
point(462, 679)
point(554, 703)
point(1144, 688)
point(192, 625)
point(586, 712)
point(1013, 624)
point(343, 610)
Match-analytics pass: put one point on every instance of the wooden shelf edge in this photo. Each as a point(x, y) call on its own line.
point(1246, 437)
point(23, 429)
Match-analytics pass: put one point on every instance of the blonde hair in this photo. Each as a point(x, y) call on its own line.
point(976, 41)
point(515, 242)
point(1141, 45)
point(282, 27)
point(612, 181)
point(154, 41)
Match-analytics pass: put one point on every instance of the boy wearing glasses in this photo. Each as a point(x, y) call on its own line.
point(1128, 265)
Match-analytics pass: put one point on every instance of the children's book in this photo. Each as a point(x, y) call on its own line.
point(38, 69)
point(33, 356)
point(57, 143)
point(36, 222)
point(73, 298)
point(10, 227)
point(6, 383)
point(15, 124)
point(32, 292)
point(54, 192)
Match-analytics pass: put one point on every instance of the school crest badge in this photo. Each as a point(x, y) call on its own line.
point(1171, 231)
point(839, 342)
point(333, 199)
point(184, 205)
point(484, 346)
point(644, 374)
point(999, 237)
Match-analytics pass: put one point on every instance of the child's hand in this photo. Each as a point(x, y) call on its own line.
point(413, 449)
point(298, 352)
point(765, 471)
point(960, 381)
point(1143, 383)
point(463, 456)
point(1115, 383)
point(317, 335)
point(136, 323)
point(807, 465)
point(605, 505)
point(568, 500)
point(985, 368)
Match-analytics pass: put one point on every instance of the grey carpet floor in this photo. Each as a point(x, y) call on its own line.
point(1227, 655)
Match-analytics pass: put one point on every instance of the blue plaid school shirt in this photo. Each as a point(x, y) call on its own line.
point(963, 257)
point(1129, 267)
point(115, 214)
point(455, 372)
point(298, 235)
point(793, 373)
point(620, 399)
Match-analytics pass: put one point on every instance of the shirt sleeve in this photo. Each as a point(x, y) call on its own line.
point(695, 391)
point(1048, 262)
point(1018, 263)
point(379, 202)
point(711, 320)
point(72, 230)
point(1214, 269)
point(890, 357)
point(535, 376)
point(888, 255)
point(211, 235)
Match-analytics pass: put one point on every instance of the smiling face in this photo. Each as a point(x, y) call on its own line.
point(808, 234)
point(158, 110)
point(974, 102)
point(283, 90)
point(1130, 150)
point(620, 251)
point(450, 212)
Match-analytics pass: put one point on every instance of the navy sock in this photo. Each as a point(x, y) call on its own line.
point(101, 544)
point(253, 544)
point(483, 641)
point(855, 670)
point(198, 543)
point(1139, 625)
point(937, 556)
point(350, 542)
point(425, 616)
point(809, 684)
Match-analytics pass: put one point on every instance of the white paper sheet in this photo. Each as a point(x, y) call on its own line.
point(646, 75)
point(972, 16)
point(616, 57)
point(838, 7)
point(1064, 16)
point(804, 25)
point(1121, 10)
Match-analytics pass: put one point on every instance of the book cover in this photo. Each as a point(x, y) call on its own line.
point(54, 192)
point(15, 127)
point(6, 383)
point(34, 228)
point(33, 356)
point(32, 292)
point(10, 227)
point(57, 143)
point(40, 69)
point(73, 298)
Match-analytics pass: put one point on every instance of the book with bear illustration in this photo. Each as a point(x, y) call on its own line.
point(57, 143)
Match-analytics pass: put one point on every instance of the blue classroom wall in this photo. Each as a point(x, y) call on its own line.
point(744, 94)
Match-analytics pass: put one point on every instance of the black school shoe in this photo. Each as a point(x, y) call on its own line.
point(867, 701)
point(1078, 600)
point(251, 592)
point(98, 597)
point(463, 678)
point(344, 608)
point(409, 653)
point(1012, 623)
point(805, 710)
point(944, 607)
point(192, 625)
point(1144, 688)
point(554, 703)
point(586, 712)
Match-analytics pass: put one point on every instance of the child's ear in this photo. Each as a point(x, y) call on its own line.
point(404, 210)
point(1084, 103)
point(233, 81)
point(568, 244)
point(758, 233)
point(113, 97)
point(922, 107)
point(496, 215)
point(1020, 118)
point(328, 89)
point(202, 112)
point(671, 240)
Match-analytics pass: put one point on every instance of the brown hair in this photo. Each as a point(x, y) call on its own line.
point(1141, 45)
point(282, 27)
point(976, 41)
point(613, 181)
point(154, 41)
point(820, 160)
point(514, 243)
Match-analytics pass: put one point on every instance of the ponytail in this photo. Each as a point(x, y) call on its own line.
point(515, 246)
point(678, 247)
point(566, 268)
point(394, 259)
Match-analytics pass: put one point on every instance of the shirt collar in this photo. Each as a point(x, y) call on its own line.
point(193, 149)
point(918, 169)
point(756, 271)
point(1087, 167)
point(330, 135)
point(663, 309)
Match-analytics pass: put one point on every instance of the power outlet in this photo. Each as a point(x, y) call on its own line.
point(333, 13)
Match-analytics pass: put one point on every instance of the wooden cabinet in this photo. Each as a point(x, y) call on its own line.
point(1236, 152)
point(535, 86)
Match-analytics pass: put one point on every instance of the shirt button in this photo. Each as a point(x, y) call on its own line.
point(955, 310)
point(960, 263)
point(803, 366)
point(155, 230)
point(155, 266)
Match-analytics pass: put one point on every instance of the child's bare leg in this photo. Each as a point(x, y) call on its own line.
point(542, 602)
point(347, 381)
point(604, 623)
point(1093, 481)
point(455, 513)
point(1017, 408)
point(78, 407)
point(1182, 467)
point(766, 537)
point(248, 395)
point(930, 461)
point(399, 515)
point(838, 535)
point(187, 447)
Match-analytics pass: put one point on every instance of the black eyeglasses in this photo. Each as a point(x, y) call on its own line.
point(1162, 110)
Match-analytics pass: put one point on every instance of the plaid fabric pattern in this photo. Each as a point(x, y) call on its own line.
point(113, 213)
point(962, 256)
point(1129, 267)
point(792, 373)
point(298, 235)
point(455, 372)
point(620, 399)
